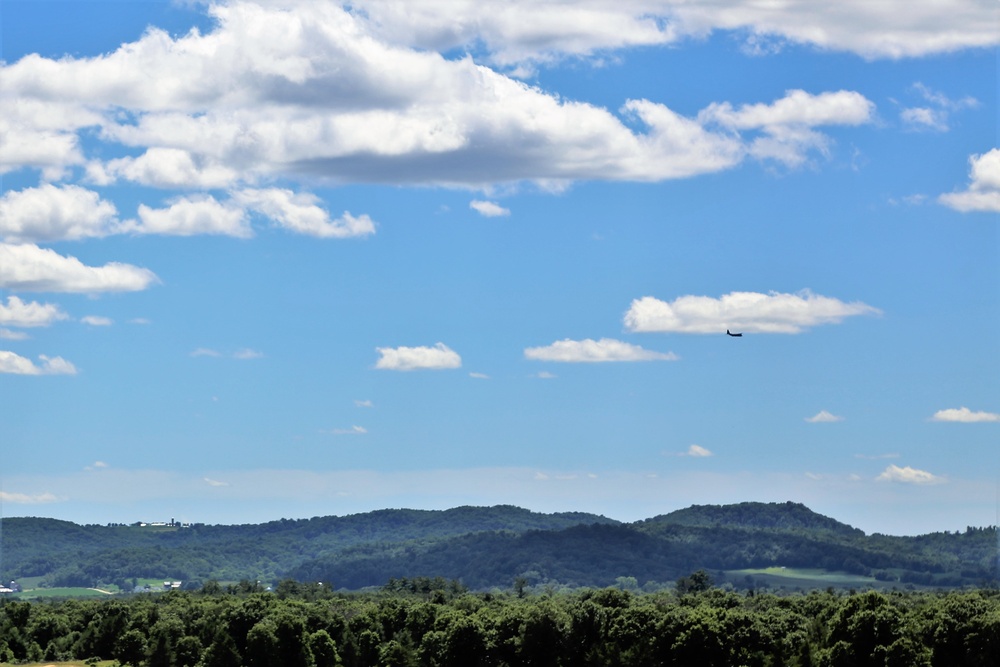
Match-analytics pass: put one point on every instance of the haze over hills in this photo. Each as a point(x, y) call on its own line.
point(488, 547)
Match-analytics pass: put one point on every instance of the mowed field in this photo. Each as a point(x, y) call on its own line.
point(806, 578)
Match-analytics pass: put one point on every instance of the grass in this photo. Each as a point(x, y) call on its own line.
point(37, 593)
point(805, 578)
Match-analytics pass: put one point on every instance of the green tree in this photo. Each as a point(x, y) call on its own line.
point(130, 649)
point(324, 649)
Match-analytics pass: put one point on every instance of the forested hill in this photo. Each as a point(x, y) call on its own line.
point(487, 547)
point(777, 516)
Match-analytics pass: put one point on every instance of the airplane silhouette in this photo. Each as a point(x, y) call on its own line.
point(734, 335)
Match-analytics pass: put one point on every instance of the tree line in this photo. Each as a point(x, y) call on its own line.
point(435, 622)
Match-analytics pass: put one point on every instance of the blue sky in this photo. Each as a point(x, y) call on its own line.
point(279, 258)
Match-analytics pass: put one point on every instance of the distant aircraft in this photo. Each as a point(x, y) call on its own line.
point(736, 335)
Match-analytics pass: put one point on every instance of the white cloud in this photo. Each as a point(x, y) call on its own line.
point(30, 268)
point(589, 350)
point(53, 213)
point(488, 208)
point(983, 193)
point(364, 404)
point(214, 482)
point(354, 430)
point(246, 354)
point(698, 451)
point(15, 364)
point(300, 213)
point(205, 352)
point(97, 321)
point(96, 465)
point(27, 498)
point(787, 123)
point(311, 90)
point(18, 313)
point(539, 31)
point(7, 334)
point(414, 358)
point(479, 376)
point(824, 417)
point(164, 168)
point(745, 311)
point(908, 475)
point(41, 133)
point(544, 375)
point(936, 116)
point(923, 118)
point(965, 415)
point(188, 216)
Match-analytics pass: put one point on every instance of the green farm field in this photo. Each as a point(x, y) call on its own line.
point(806, 578)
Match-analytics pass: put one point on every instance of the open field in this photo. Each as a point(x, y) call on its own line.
point(39, 593)
point(806, 578)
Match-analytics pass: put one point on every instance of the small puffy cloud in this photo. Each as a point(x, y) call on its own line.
point(96, 465)
point(15, 364)
point(440, 356)
point(214, 482)
point(488, 208)
point(479, 376)
point(18, 313)
point(544, 375)
point(97, 321)
point(30, 268)
point(908, 475)
point(354, 430)
point(747, 311)
point(983, 192)
point(54, 213)
point(964, 415)
point(824, 417)
point(27, 498)
point(588, 350)
point(301, 213)
point(189, 216)
point(246, 354)
point(364, 404)
point(786, 125)
point(698, 451)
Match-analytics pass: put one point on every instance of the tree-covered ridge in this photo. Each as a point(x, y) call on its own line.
point(434, 623)
point(489, 547)
point(776, 516)
point(70, 554)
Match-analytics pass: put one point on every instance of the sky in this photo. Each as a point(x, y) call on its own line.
point(267, 259)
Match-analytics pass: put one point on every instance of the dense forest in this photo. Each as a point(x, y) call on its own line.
point(490, 547)
point(436, 623)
